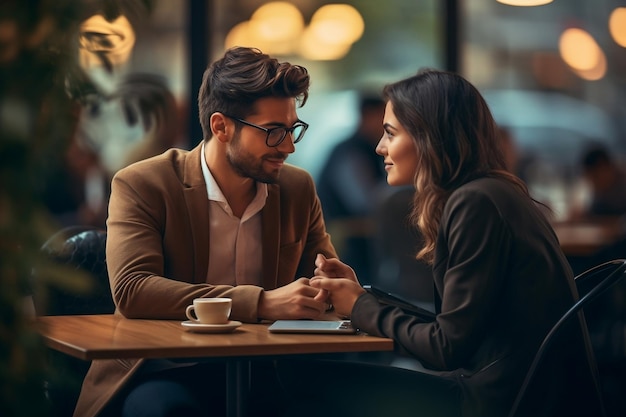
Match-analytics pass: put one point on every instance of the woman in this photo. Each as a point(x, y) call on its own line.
point(500, 276)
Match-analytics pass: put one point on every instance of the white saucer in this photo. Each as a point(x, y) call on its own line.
point(210, 328)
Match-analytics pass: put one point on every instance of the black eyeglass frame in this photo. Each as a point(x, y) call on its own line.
point(268, 131)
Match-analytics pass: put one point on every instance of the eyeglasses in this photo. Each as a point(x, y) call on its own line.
point(276, 135)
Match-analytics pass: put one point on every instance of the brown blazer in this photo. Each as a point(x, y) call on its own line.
point(158, 244)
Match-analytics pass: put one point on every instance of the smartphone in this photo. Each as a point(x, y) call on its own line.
point(391, 299)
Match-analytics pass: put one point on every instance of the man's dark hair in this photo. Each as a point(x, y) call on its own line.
point(232, 84)
point(370, 102)
point(595, 156)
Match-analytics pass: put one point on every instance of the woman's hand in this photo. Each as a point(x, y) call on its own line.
point(333, 268)
point(342, 292)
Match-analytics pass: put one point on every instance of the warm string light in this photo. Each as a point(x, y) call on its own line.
point(278, 28)
point(524, 2)
point(580, 51)
point(584, 56)
point(617, 26)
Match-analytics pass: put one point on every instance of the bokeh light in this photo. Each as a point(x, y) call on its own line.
point(579, 50)
point(278, 28)
point(337, 23)
point(617, 26)
point(525, 2)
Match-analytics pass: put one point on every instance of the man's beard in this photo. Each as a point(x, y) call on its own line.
point(249, 166)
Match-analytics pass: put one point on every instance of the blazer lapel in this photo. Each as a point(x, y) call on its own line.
point(270, 217)
point(197, 202)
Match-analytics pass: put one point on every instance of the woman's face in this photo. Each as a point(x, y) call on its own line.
point(398, 149)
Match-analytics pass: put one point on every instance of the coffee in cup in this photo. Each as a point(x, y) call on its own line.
point(209, 310)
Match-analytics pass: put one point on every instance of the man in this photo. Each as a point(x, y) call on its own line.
point(353, 172)
point(226, 219)
point(607, 183)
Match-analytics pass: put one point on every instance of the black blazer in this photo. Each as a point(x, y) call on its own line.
point(501, 281)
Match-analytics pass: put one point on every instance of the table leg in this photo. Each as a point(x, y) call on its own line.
point(237, 387)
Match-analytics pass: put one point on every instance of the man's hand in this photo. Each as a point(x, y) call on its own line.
point(297, 300)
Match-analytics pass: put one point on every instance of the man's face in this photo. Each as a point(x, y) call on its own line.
point(247, 152)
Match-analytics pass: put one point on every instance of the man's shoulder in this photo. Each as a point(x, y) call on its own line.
point(169, 163)
point(294, 178)
point(294, 173)
point(169, 156)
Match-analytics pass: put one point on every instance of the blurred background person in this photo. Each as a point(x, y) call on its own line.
point(518, 161)
point(606, 181)
point(349, 185)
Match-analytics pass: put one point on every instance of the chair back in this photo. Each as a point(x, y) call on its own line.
point(72, 249)
point(591, 284)
point(606, 321)
point(81, 248)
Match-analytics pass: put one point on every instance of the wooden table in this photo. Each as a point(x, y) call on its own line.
point(114, 337)
point(587, 238)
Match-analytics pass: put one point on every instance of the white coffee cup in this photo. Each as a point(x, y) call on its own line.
point(209, 310)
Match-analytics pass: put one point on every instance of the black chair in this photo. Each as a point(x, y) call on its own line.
point(606, 320)
point(591, 285)
point(77, 254)
point(79, 251)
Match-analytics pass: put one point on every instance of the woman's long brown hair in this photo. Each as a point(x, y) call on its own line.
point(456, 141)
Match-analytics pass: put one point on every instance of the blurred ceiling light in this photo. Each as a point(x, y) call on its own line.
point(240, 35)
point(579, 49)
point(595, 73)
point(316, 48)
point(278, 28)
point(524, 2)
point(337, 24)
point(273, 28)
point(277, 21)
point(617, 26)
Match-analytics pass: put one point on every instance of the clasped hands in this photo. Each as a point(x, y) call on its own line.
point(334, 285)
point(338, 284)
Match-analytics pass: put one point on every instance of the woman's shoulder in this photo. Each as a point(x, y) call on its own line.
point(489, 194)
point(484, 186)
